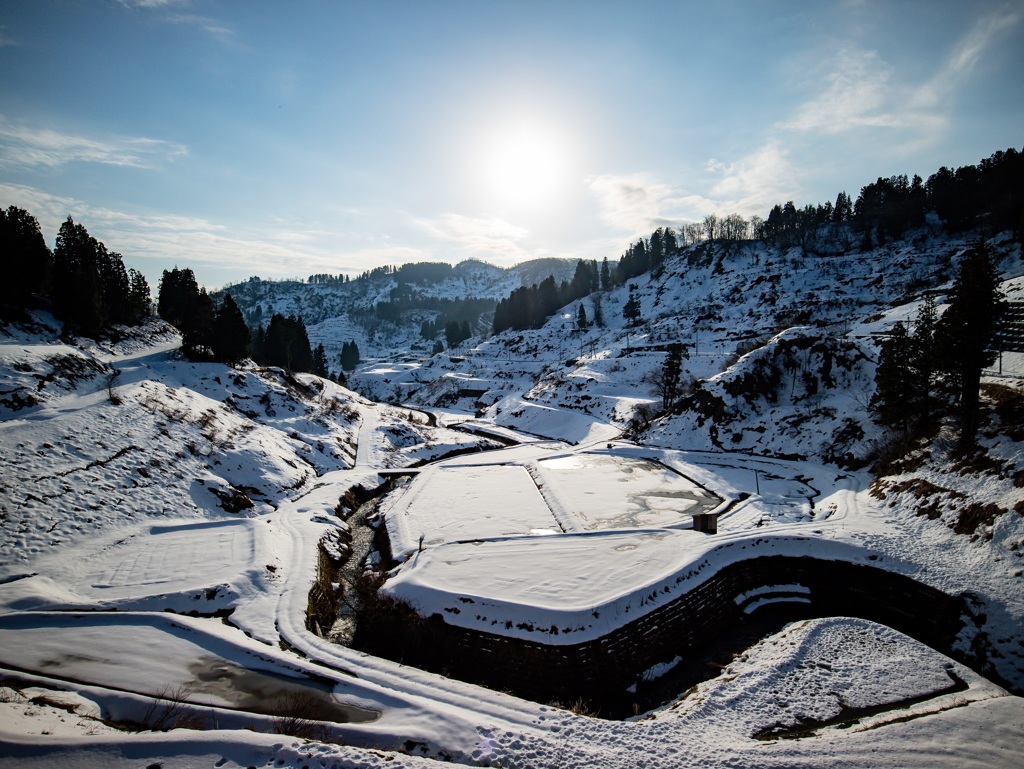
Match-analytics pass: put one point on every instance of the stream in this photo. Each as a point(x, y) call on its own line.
point(344, 627)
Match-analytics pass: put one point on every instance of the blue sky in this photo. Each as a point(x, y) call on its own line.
point(283, 139)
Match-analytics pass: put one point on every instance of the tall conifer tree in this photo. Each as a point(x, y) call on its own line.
point(965, 333)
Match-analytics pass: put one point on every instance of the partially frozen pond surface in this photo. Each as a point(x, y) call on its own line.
point(604, 491)
point(156, 655)
point(259, 691)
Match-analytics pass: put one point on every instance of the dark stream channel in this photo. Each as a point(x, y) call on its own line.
point(362, 543)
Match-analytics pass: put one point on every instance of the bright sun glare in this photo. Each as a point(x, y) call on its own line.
point(524, 166)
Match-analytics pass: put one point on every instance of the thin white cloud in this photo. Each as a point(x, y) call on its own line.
point(632, 202)
point(756, 182)
point(862, 91)
point(210, 26)
point(492, 239)
point(164, 9)
point(857, 93)
point(24, 145)
point(151, 3)
point(964, 58)
point(637, 204)
point(154, 242)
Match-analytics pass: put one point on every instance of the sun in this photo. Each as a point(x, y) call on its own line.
point(524, 165)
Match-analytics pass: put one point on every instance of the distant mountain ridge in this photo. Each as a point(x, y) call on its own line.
point(383, 311)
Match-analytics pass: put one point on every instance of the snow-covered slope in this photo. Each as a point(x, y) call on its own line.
point(809, 323)
point(99, 436)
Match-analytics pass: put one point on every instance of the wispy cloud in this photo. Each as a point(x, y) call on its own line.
point(637, 204)
point(210, 26)
point(754, 183)
point(492, 239)
point(858, 92)
point(965, 56)
point(24, 145)
point(863, 91)
point(165, 9)
point(631, 202)
point(153, 242)
point(151, 3)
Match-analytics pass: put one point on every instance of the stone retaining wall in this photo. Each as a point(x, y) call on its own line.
point(600, 671)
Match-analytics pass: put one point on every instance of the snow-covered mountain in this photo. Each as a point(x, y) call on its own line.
point(336, 311)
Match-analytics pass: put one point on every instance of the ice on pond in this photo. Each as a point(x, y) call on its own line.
point(616, 492)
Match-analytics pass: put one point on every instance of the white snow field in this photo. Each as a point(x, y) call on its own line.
point(158, 539)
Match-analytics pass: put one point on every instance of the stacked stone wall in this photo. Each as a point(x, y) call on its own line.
point(601, 670)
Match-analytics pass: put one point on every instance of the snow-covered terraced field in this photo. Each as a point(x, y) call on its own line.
point(186, 565)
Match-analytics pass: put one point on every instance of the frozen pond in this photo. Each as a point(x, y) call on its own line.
point(602, 491)
point(217, 680)
point(156, 655)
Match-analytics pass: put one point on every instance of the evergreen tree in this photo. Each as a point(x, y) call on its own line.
point(656, 252)
point(581, 318)
point(548, 301)
point(189, 308)
point(320, 362)
point(176, 296)
point(277, 343)
point(349, 356)
point(894, 389)
point(301, 353)
point(906, 377)
point(26, 261)
point(924, 368)
point(843, 210)
point(453, 332)
point(285, 344)
point(582, 281)
point(670, 243)
point(197, 329)
point(670, 375)
point(77, 289)
point(501, 320)
point(115, 286)
point(631, 311)
point(140, 303)
point(966, 331)
point(230, 342)
point(258, 342)
point(634, 262)
point(606, 275)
